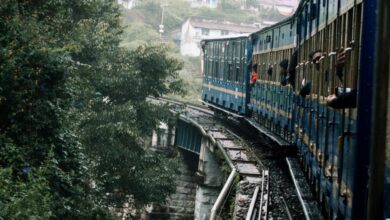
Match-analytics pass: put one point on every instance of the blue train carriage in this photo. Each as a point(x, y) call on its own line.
point(378, 202)
point(326, 137)
point(379, 184)
point(225, 73)
point(271, 95)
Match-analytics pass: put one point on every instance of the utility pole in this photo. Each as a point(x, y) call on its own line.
point(161, 26)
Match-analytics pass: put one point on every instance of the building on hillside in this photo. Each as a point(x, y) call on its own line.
point(204, 3)
point(284, 7)
point(194, 29)
point(128, 4)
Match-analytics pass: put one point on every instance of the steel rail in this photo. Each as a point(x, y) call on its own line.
point(263, 209)
point(253, 203)
point(305, 211)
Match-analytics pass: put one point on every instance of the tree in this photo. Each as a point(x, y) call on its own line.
point(37, 40)
point(119, 120)
point(62, 72)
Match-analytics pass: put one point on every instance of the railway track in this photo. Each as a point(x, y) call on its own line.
point(283, 200)
point(258, 209)
point(244, 158)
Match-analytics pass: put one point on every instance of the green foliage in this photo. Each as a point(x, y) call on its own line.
point(63, 73)
point(230, 5)
point(139, 34)
point(118, 120)
point(24, 199)
point(149, 12)
point(142, 28)
point(34, 100)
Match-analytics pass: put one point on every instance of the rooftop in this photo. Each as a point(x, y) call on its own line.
point(216, 24)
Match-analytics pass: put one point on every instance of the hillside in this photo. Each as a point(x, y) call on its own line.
point(142, 23)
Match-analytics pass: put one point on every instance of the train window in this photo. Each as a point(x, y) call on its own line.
point(268, 39)
point(234, 53)
point(237, 73)
point(313, 11)
point(216, 56)
point(209, 67)
point(205, 31)
point(216, 68)
point(229, 72)
point(283, 36)
point(227, 59)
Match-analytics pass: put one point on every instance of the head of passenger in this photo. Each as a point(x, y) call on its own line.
point(283, 72)
point(291, 68)
point(315, 57)
point(284, 65)
point(269, 70)
point(254, 68)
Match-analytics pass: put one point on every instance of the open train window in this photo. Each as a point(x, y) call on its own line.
point(313, 11)
point(237, 74)
point(229, 72)
point(268, 39)
point(216, 68)
point(221, 68)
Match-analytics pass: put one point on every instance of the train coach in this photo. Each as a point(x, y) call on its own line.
point(225, 81)
point(306, 64)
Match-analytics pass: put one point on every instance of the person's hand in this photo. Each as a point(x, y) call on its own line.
point(340, 60)
point(330, 98)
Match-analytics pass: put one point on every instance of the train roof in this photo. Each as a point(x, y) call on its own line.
point(300, 5)
point(280, 23)
point(225, 38)
point(290, 19)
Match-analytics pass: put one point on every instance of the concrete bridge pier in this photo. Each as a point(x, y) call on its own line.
point(210, 180)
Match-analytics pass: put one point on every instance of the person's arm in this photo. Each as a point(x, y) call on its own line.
point(344, 100)
point(340, 62)
point(305, 90)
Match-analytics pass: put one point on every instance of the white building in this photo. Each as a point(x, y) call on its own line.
point(284, 7)
point(194, 29)
point(204, 3)
point(128, 4)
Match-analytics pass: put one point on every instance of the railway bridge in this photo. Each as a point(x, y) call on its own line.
point(221, 176)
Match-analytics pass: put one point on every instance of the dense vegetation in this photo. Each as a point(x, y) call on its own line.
point(73, 113)
point(142, 22)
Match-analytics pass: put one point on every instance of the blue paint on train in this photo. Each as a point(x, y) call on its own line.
point(332, 143)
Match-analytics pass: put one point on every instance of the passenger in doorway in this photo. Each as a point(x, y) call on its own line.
point(269, 70)
point(291, 69)
point(315, 58)
point(283, 72)
point(254, 75)
point(343, 97)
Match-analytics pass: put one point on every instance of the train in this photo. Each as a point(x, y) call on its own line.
point(344, 150)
